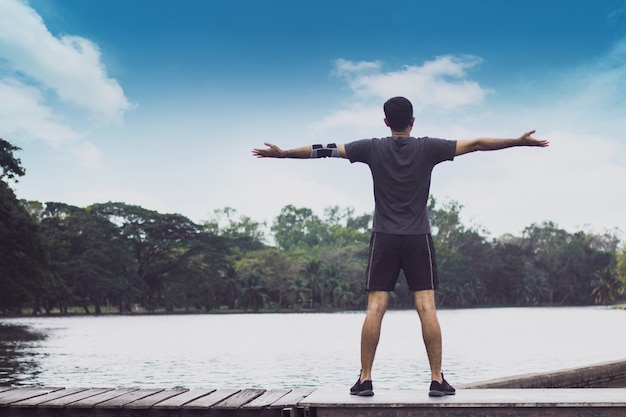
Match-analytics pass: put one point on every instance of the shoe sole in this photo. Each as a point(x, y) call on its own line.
point(366, 393)
point(439, 393)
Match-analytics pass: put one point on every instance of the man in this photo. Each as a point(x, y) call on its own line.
point(401, 168)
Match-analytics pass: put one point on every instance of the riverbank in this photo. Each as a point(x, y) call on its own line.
point(140, 311)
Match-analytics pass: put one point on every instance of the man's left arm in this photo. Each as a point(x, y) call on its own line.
point(305, 152)
point(490, 144)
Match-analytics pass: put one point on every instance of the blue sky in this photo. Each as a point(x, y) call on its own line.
point(159, 103)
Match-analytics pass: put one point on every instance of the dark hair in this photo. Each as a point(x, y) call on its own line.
point(398, 112)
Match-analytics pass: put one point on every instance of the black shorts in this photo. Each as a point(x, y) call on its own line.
point(414, 254)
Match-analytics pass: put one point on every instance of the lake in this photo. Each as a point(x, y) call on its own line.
point(302, 350)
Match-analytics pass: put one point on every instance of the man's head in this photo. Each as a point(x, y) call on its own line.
point(398, 113)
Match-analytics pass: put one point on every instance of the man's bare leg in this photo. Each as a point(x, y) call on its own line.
point(370, 334)
point(431, 332)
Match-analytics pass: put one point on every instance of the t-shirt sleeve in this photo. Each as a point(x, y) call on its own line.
point(441, 149)
point(359, 150)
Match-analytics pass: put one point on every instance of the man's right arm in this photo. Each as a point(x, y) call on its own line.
point(273, 151)
point(489, 144)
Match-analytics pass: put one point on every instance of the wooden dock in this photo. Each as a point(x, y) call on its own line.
point(128, 402)
point(591, 391)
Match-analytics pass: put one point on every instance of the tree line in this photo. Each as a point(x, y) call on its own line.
point(118, 257)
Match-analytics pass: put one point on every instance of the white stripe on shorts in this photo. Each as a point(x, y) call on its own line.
point(369, 264)
point(430, 260)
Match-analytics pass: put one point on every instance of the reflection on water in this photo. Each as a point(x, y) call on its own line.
point(301, 350)
point(17, 365)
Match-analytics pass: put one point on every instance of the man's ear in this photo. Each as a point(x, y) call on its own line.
point(386, 122)
point(412, 121)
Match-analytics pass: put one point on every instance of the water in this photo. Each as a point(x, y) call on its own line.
point(305, 350)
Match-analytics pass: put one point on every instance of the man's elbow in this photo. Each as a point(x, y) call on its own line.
point(467, 146)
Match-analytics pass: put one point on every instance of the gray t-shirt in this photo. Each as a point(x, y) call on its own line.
point(401, 168)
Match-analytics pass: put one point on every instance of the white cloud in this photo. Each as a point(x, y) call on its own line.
point(69, 65)
point(24, 115)
point(441, 83)
point(38, 71)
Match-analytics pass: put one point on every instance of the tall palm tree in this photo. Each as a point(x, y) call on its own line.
point(233, 289)
point(298, 292)
point(254, 292)
point(311, 270)
point(343, 296)
point(606, 286)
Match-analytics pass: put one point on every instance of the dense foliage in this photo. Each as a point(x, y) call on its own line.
point(55, 256)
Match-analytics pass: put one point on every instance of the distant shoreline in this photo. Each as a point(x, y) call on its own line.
point(79, 312)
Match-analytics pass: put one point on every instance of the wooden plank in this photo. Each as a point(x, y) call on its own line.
point(463, 412)
point(2, 389)
point(475, 398)
point(184, 398)
point(239, 399)
point(293, 398)
point(209, 400)
point(94, 400)
point(150, 401)
point(123, 400)
point(35, 401)
point(268, 398)
point(70, 399)
point(601, 375)
point(475, 402)
point(12, 396)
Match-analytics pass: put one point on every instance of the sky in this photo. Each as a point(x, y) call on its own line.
point(159, 103)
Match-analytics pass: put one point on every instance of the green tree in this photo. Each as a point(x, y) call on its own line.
point(160, 243)
point(346, 229)
point(277, 269)
point(514, 278)
point(621, 265)
point(607, 288)
point(298, 228)
point(254, 293)
point(24, 266)
point(312, 273)
point(569, 261)
point(89, 255)
point(463, 256)
point(233, 289)
point(298, 293)
point(243, 233)
point(23, 261)
point(344, 297)
point(10, 166)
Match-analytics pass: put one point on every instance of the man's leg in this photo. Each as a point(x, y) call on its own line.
point(431, 332)
point(370, 334)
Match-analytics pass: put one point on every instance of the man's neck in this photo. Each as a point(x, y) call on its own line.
point(402, 133)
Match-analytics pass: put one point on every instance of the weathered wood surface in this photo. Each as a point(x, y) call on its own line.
point(600, 375)
point(122, 402)
point(548, 394)
point(183, 398)
point(475, 402)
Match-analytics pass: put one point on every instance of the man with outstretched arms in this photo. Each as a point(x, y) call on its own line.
point(401, 167)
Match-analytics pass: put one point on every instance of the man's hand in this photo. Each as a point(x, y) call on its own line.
point(272, 151)
point(527, 140)
point(490, 144)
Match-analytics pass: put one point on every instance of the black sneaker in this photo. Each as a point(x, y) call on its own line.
point(362, 389)
point(440, 389)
